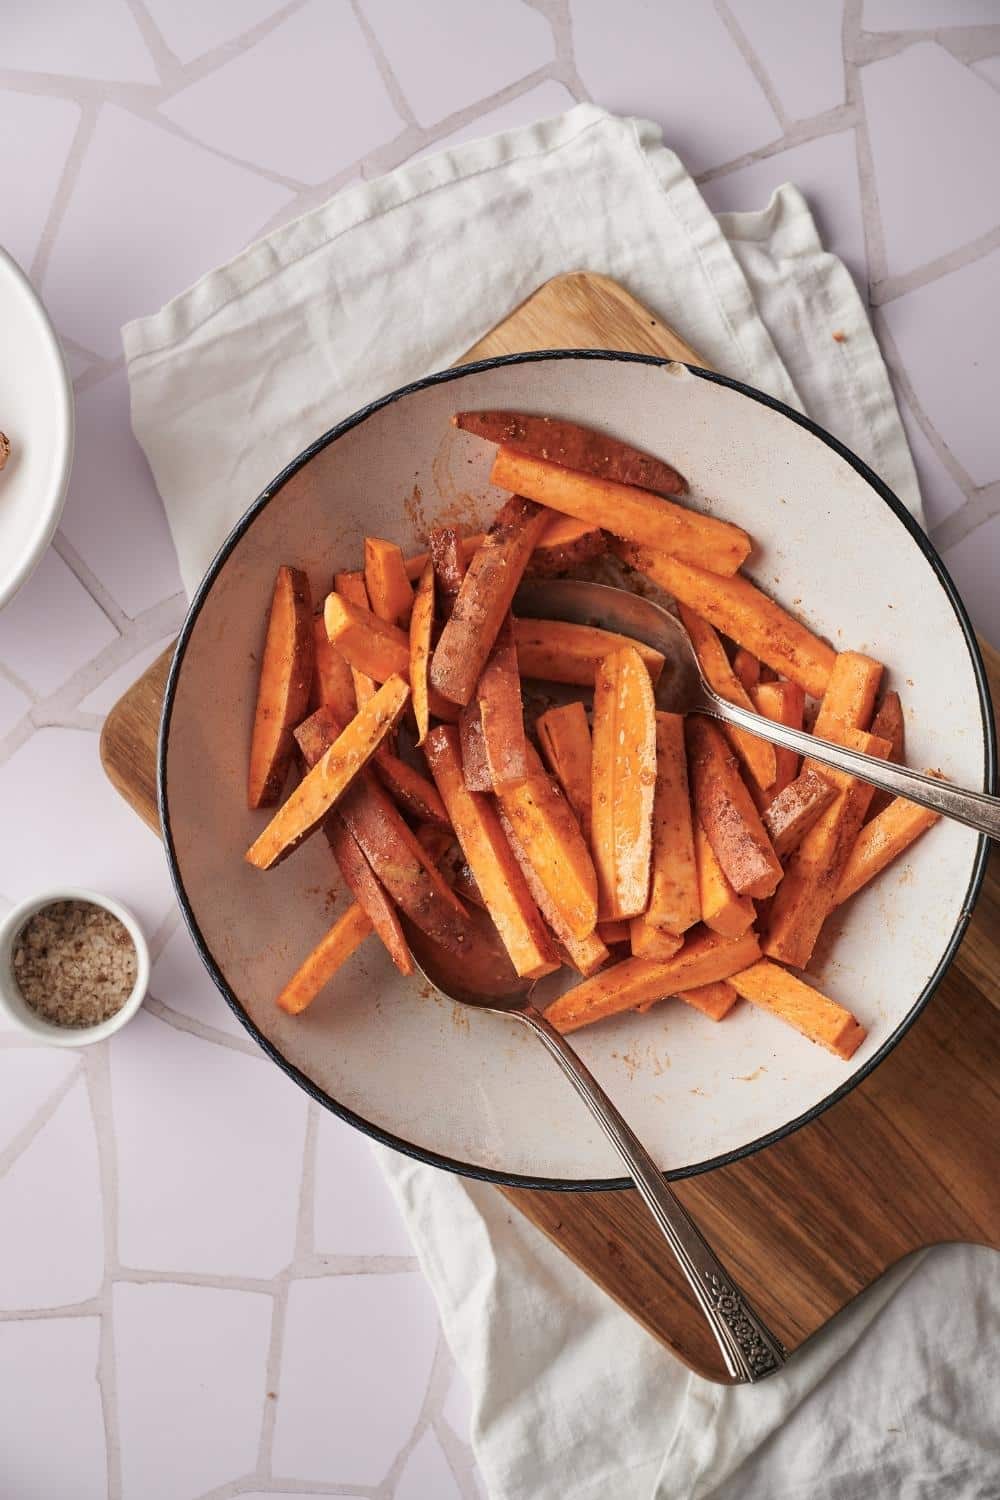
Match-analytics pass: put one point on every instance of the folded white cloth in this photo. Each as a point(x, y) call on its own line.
point(383, 284)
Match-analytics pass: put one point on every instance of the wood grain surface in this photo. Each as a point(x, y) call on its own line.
point(907, 1159)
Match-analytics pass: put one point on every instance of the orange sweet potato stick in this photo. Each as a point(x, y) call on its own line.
point(421, 629)
point(756, 754)
point(820, 1019)
point(674, 901)
point(559, 651)
point(330, 777)
point(377, 649)
point(475, 766)
point(397, 856)
point(738, 609)
point(351, 588)
point(449, 562)
point(586, 954)
point(565, 544)
point(414, 793)
point(890, 725)
point(784, 703)
point(795, 809)
point(501, 712)
point(806, 896)
point(497, 874)
point(386, 582)
point(333, 681)
point(722, 909)
point(612, 933)
point(648, 941)
point(344, 938)
point(747, 668)
point(574, 447)
point(286, 670)
point(359, 877)
point(636, 515)
point(850, 696)
point(726, 812)
point(623, 780)
point(881, 841)
point(714, 1000)
point(551, 841)
point(704, 958)
point(564, 736)
point(484, 599)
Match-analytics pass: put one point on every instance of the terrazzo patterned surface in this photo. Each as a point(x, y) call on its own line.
point(200, 1272)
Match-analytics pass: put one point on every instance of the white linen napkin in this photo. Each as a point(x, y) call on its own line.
point(231, 380)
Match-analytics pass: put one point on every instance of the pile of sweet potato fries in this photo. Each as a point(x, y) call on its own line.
point(715, 857)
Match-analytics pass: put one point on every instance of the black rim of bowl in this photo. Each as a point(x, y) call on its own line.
point(433, 1158)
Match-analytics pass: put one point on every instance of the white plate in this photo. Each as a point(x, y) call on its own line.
point(36, 413)
point(474, 1091)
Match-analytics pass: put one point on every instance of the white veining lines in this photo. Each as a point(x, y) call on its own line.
point(235, 1217)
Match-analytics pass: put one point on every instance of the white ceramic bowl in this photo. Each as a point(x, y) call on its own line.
point(36, 413)
point(12, 1002)
point(474, 1091)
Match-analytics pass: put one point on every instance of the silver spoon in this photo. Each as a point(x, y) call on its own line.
point(682, 689)
point(484, 977)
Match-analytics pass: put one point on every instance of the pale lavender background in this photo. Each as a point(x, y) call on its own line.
point(205, 1289)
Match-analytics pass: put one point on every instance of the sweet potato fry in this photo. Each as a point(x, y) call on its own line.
point(386, 582)
point(368, 891)
point(741, 611)
point(559, 651)
point(674, 903)
point(475, 766)
point(484, 599)
point(726, 812)
point(880, 842)
point(550, 839)
point(394, 852)
point(623, 781)
point(377, 649)
point(565, 544)
point(756, 754)
point(344, 938)
point(333, 681)
point(413, 792)
point(850, 696)
point(820, 1019)
point(564, 736)
point(286, 670)
point(635, 514)
point(806, 896)
point(722, 909)
point(783, 703)
point(586, 954)
point(648, 941)
point(351, 587)
point(612, 933)
point(574, 447)
point(713, 1000)
point(449, 562)
point(498, 876)
point(501, 712)
point(890, 725)
point(704, 958)
point(747, 668)
point(795, 809)
point(421, 628)
point(330, 777)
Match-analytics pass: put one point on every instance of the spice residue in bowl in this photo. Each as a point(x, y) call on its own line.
point(75, 963)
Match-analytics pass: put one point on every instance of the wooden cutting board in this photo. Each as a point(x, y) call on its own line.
point(908, 1159)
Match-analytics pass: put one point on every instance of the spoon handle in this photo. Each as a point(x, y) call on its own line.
point(750, 1350)
point(976, 809)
